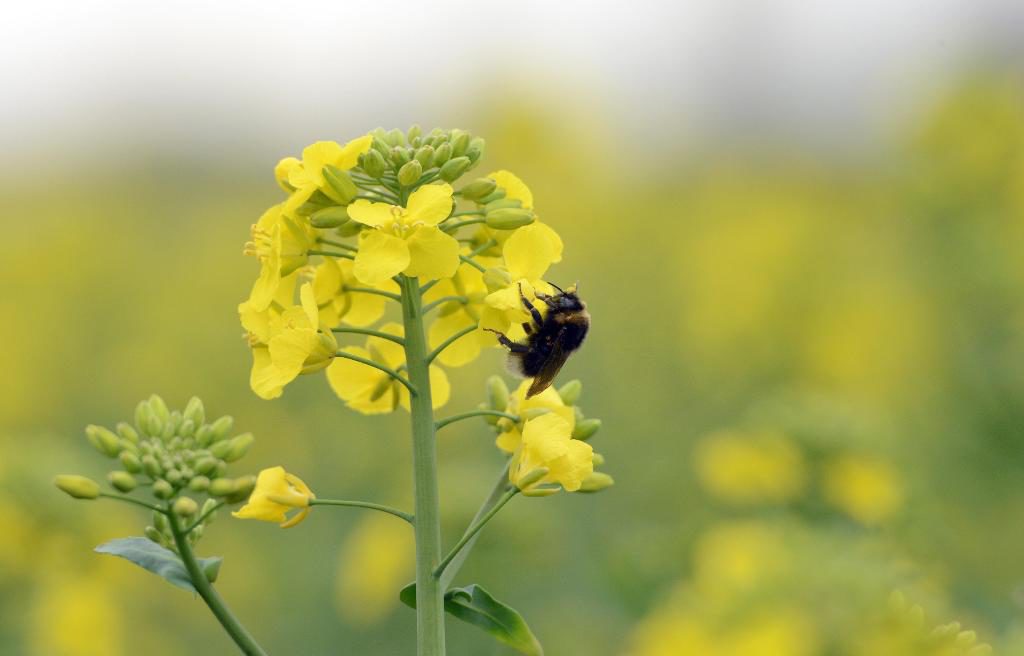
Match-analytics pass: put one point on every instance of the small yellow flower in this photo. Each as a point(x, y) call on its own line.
point(751, 468)
point(307, 176)
point(548, 444)
point(277, 492)
point(331, 281)
point(468, 282)
point(525, 409)
point(371, 391)
point(868, 490)
point(406, 239)
point(296, 346)
point(281, 244)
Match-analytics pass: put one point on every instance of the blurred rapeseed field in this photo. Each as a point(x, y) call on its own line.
point(814, 371)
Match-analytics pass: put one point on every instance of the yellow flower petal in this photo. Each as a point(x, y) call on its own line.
point(429, 205)
point(377, 215)
point(380, 257)
point(433, 254)
point(530, 251)
point(274, 485)
point(350, 153)
point(463, 350)
point(357, 384)
point(309, 307)
point(515, 189)
point(263, 378)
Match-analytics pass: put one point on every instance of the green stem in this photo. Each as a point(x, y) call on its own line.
point(471, 262)
point(339, 244)
point(429, 593)
point(371, 290)
point(446, 343)
point(234, 628)
point(369, 331)
point(378, 197)
point(363, 504)
point(346, 256)
point(474, 529)
point(452, 227)
point(444, 299)
point(202, 518)
point(376, 365)
point(499, 490)
point(124, 499)
point(474, 413)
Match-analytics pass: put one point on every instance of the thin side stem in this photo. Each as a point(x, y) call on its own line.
point(202, 518)
point(369, 331)
point(474, 529)
point(234, 628)
point(452, 227)
point(429, 593)
point(137, 502)
point(376, 365)
point(363, 504)
point(378, 197)
point(331, 242)
point(473, 263)
point(331, 254)
point(441, 423)
point(497, 492)
point(448, 342)
point(441, 301)
point(375, 292)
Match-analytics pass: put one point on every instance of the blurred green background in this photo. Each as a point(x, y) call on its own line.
point(807, 350)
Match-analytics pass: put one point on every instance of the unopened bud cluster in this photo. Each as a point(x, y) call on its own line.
point(175, 456)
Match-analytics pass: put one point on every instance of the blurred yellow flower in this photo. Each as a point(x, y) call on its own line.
point(371, 391)
point(307, 176)
point(276, 493)
point(512, 434)
point(548, 444)
point(866, 489)
point(406, 239)
point(750, 468)
point(332, 280)
point(374, 562)
point(737, 555)
point(281, 245)
point(296, 346)
point(76, 615)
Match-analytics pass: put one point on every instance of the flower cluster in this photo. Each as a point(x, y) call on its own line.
point(358, 216)
point(178, 457)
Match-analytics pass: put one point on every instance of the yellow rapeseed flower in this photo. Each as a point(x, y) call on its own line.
point(281, 245)
point(548, 400)
point(749, 468)
point(406, 239)
point(276, 494)
point(548, 444)
point(468, 283)
point(868, 490)
point(372, 391)
point(332, 280)
point(306, 176)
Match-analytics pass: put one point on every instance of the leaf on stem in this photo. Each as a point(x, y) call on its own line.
point(159, 560)
point(476, 606)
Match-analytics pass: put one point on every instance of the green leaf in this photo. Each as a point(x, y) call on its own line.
point(476, 606)
point(159, 560)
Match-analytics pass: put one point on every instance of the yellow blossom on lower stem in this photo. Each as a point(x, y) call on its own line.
point(276, 494)
point(547, 401)
point(371, 391)
point(548, 445)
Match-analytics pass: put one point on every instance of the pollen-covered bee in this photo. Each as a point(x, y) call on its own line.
point(550, 339)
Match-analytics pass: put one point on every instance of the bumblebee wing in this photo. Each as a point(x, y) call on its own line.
point(552, 365)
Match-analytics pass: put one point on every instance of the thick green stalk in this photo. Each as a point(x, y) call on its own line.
point(429, 593)
point(234, 628)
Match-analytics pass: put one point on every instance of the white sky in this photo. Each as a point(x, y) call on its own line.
point(240, 74)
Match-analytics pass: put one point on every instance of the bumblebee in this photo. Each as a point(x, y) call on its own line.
point(550, 339)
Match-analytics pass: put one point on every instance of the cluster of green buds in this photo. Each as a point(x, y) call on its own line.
point(178, 457)
point(509, 411)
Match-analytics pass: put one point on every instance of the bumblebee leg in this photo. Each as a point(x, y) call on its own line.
point(508, 343)
point(547, 298)
point(528, 328)
point(528, 306)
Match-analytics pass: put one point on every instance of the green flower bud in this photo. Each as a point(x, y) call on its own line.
point(596, 482)
point(127, 432)
point(425, 156)
point(329, 217)
point(243, 487)
point(168, 432)
point(78, 487)
point(212, 568)
point(195, 411)
point(540, 491)
point(154, 425)
point(339, 185)
point(175, 421)
point(453, 168)
point(142, 413)
point(199, 484)
point(533, 413)
point(478, 188)
point(508, 219)
point(571, 391)
point(442, 153)
point(221, 449)
point(185, 507)
point(187, 428)
point(151, 466)
point(156, 536)
point(460, 142)
point(501, 204)
point(174, 477)
point(413, 132)
point(350, 229)
point(410, 173)
point(497, 393)
point(161, 522)
point(221, 487)
point(532, 477)
point(127, 447)
point(497, 278)
point(399, 156)
point(122, 480)
point(222, 469)
point(175, 443)
point(497, 194)
point(207, 510)
point(105, 441)
point(476, 149)
point(597, 459)
point(586, 429)
point(131, 462)
point(395, 137)
point(159, 408)
point(204, 436)
point(239, 446)
point(222, 427)
point(206, 465)
point(374, 164)
point(162, 489)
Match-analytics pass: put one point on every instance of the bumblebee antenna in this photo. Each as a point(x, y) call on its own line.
point(555, 286)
